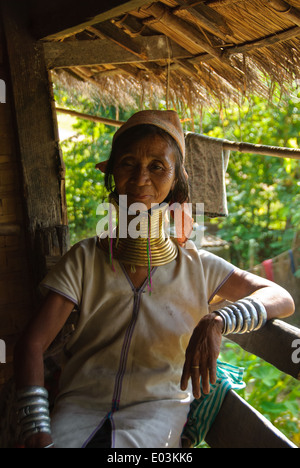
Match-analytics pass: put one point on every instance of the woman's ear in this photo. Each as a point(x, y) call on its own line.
point(101, 166)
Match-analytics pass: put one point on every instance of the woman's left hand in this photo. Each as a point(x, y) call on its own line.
point(202, 354)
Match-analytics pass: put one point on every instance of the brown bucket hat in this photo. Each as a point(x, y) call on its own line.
point(166, 120)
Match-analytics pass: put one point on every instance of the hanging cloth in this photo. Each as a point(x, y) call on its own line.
point(268, 267)
point(204, 410)
point(206, 163)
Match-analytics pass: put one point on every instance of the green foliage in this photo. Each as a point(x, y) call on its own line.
point(272, 393)
point(90, 144)
point(84, 187)
point(263, 192)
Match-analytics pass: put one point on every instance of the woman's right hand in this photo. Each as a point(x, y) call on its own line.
point(202, 354)
point(30, 349)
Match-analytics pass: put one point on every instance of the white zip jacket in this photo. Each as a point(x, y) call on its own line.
point(125, 358)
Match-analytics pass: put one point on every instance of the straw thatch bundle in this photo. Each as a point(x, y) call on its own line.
point(195, 52)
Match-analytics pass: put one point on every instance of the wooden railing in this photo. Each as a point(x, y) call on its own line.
point(238, 425)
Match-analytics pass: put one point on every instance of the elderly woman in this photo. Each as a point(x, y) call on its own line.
point(136, 359)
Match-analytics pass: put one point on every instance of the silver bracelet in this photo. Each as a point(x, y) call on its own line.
point(28, 411)
point(261, 311)
point(33, 411)
point(244, 316)
point(33, 390)
point(32, 401)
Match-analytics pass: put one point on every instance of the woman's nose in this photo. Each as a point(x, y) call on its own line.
point(141, 176)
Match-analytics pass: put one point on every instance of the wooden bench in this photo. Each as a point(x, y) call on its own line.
point(238, 425)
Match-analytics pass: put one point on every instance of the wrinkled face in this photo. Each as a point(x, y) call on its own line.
point(146, 171)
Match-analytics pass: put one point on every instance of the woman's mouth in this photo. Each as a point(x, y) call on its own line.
point(139, 196)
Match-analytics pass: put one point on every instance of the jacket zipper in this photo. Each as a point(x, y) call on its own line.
point(122, 367)
point(124, 356)
point(125, 351)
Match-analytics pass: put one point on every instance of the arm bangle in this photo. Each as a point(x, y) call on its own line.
point(244, 316)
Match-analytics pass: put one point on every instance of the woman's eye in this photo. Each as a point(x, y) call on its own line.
point(127, 163)
point(157, 167)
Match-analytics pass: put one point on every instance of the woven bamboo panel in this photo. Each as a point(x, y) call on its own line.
point(15, 298)
point(5, 144)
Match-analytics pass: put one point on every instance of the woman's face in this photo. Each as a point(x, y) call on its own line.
point(146, 171)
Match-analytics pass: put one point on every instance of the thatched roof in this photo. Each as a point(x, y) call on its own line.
point(183, 50)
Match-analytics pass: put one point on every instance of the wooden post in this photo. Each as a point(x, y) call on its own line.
point(40, 157)
point(296, 240)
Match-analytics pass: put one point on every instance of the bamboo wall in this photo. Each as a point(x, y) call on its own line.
point(15, 288)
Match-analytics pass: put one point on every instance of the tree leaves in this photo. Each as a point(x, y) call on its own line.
point(263, 191)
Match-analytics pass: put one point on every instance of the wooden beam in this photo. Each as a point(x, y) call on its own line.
point(163, 20)
point(94, 118)
point(239, 425)
point(37, 136)
point(109, 31)
point(105, 51)
point(279, 335)
point(250, 46)
point(91, 118)
point(186, 35)
point(62, 18)
point(141, 49)
point(206, 17)
point(279, 152)
point(265, 41)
